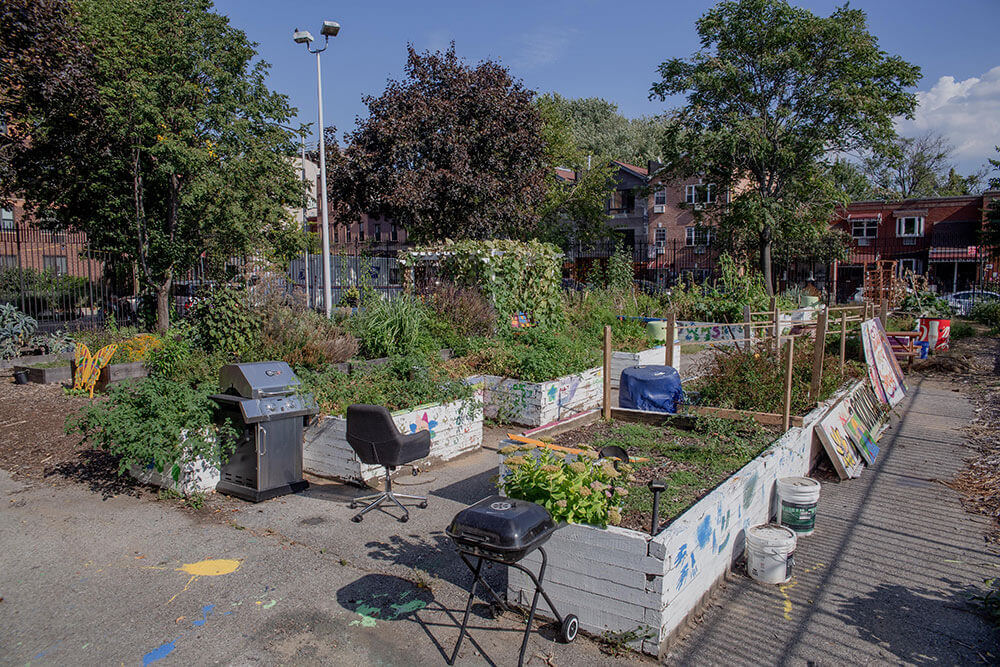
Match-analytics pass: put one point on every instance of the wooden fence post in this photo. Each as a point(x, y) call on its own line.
point(786, 414)
point(747, 328)
point(775, 325)
point(843, 339)
point(606, 412)
point(818, 351)
point(883, 312)
point(671, 338)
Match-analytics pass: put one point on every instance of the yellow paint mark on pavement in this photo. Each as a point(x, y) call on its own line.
point(786, 604)
point(212, 567)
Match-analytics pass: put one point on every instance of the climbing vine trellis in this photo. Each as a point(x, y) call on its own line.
point(517, 276)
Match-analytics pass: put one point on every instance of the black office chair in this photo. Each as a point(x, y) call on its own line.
point(375, 439)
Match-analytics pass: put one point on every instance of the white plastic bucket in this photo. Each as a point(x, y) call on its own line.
point(798, 497)
point(770, 553)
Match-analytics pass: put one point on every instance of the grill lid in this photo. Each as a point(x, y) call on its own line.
point(257, 380)
point(502, 525)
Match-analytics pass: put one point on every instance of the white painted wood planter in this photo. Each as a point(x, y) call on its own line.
point(198, 476)
point(538, 403)
point(622, 580)
point(456, 428)
point(653, 356)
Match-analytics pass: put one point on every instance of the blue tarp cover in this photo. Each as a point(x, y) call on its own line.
point(651, 388)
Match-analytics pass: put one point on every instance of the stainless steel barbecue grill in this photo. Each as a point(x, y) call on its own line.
point(260, 399)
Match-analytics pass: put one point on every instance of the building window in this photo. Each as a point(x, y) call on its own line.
point(628, 201)
point(661, 237)
point(909, 227)
point(54, 263)
point(6, 219)
point(378, 233)
point(361, 232)
point(660, 197)
point(8, 261)
point(912, 265)
point(393, 233)
point(695, 236)
point(699, 194)
point(348, 234)
point(864, 229)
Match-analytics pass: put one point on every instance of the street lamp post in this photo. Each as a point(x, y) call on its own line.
point(329, 29)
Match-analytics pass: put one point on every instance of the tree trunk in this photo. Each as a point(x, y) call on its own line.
point(765, 260)
point(163, 303)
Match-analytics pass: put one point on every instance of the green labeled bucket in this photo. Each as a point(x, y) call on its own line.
point(798, 497)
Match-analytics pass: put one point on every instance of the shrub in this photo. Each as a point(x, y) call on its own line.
point(961, 329)
point(589, 312)
point(16, 330)
point(55, 343)
point(724, 301)
point(755, 379)
point(925, 304)
point(388, 327)
point(620, 272)
point(403, 383)
point(225, 323)
point(535, 355)
point(465, 308)
point(578, 489)
point(155, 421)
point(301, 336)
point(986, 312)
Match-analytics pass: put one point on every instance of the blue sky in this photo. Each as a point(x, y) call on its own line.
point(587, 48)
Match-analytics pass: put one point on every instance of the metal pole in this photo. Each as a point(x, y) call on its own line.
point(327, 290)
point(305, 216)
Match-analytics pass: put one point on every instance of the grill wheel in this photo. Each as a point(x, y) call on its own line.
point(570, 626)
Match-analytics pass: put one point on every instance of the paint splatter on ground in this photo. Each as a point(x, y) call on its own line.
point(786, 604)
point(160, 652)
point(212, 567)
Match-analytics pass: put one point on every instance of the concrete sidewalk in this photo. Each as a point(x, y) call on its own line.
point(887, 575)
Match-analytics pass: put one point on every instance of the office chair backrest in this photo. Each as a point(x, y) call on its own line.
point(369, 426)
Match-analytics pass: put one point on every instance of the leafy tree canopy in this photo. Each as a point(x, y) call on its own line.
point(601, 131)
point(450, 151)
point(920, 167)
point(771, 94)
point(177, 148)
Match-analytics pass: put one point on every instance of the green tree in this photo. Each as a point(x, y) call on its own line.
point(920, 167)
point(602, 132)
point(182, 149)
point(771, 94)
point(990, 235)
point(573, 207)
point(850, 180)
point(451, 151)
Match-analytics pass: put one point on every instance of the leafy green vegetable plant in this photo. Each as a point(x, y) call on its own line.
point(16, 330)
point(224, 322)
point(156, 422)
point(575, 489)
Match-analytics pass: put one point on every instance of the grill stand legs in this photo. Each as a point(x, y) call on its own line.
point(477, 578)
point(379, 498)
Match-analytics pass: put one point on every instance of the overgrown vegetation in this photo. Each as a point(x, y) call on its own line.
point(986, 312)
point(535, 355)
point(157, 422)
point(724, 300)
point(754, 379)
point(16, 329)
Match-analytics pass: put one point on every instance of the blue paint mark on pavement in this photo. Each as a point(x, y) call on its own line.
point(206, 611)
point(158, 653)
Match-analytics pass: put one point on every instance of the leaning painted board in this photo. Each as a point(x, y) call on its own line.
point(455, 428)
point(837, 441)
point(883, 369)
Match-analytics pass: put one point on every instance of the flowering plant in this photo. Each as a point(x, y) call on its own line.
point(575, 488)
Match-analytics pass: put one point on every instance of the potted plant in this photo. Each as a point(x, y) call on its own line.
point(933, 316)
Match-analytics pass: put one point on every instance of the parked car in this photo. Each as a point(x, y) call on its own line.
point(962, 302)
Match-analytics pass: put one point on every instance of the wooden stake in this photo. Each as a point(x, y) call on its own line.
point(747, 328)
point(606, 412)
point(883, 312)
point(787, 412)
point(775, 325)
point(671, 337)
point(843, 339)
point(818, 351)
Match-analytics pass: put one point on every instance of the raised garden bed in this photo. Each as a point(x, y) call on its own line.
point(621, 580)
point(50, 372)
point(34, 359)
point(198, 476)
point(514, 401)
point(455, 427)
point(116, 373)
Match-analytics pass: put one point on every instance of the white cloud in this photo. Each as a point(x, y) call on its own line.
point(541, 46)
point(966, 112)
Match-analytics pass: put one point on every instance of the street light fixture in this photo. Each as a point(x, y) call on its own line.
point(329, 29)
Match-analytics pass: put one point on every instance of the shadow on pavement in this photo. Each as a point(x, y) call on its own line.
point(471, 489)
point(99, 471)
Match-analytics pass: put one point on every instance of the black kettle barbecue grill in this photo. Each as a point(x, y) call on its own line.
point(267, 460)
point(505, 530)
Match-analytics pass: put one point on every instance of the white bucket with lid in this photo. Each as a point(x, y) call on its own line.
point(798, 497)
point(770, 553)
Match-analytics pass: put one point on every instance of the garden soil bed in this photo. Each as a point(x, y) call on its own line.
point(692, 462)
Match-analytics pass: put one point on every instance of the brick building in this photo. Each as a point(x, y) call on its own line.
point(936, 237)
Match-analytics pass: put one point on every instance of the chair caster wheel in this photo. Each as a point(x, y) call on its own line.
point(353, 506)
point(404, 518)
point(567, 631)
point(423, 505)
point(415, 471)
point(357, 519)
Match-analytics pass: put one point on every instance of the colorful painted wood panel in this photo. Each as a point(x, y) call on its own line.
point(883, 370)
point(838, 443)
